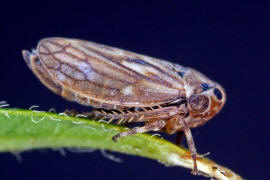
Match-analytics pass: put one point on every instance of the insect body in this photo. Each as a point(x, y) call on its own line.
point(127, 87)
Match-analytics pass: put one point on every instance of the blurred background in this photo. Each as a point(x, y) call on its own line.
point(227, 41)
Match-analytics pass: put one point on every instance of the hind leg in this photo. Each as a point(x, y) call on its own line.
point(152, 126)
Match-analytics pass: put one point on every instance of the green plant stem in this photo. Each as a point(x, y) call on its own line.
point(22, 130)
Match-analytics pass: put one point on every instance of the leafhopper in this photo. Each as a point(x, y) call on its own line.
point(127, 87)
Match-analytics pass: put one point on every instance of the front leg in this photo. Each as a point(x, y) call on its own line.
point(190, 143)
point(152, 126)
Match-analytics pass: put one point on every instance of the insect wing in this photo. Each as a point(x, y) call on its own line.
point(109, 75)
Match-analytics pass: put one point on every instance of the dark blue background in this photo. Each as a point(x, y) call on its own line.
point(227, 41)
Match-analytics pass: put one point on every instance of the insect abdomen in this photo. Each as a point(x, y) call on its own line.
point(137, 114)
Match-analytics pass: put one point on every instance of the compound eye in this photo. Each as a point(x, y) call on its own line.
point(217, 93)
point(199, 103)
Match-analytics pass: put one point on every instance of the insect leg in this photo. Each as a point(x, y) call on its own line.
point(190, 143)
point(152, 126)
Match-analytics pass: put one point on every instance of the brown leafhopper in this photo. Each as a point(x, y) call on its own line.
point(127, 87)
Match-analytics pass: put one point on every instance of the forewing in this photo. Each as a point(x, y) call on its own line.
point(110, 75)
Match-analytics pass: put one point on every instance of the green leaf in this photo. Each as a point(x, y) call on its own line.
point(22, 130)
